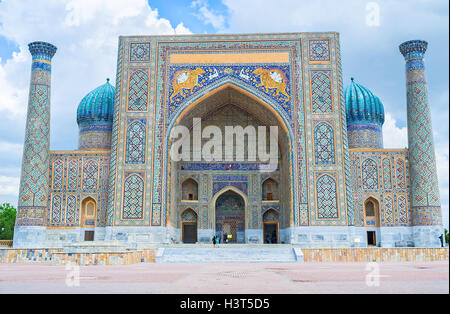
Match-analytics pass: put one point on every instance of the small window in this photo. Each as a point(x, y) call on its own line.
point(269, 196)
point(370, 209)
point(90, 209)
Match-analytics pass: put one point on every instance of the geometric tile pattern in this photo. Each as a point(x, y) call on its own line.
point(402, 207)
point(86, 175)
point(71, 210)
point(138, 90)
point(56, 207)
point(90, 175)
point(139, 52)
point(424, 182)
point(58, 175)
point(34, 184)
point(395, 194)
point(401, 177)
point(133, 197)
point(189, 216)
point(365, 136)
point(135, 146)
point(319, 50)
point(324, 144)
point(369, 175)
point(72, 174)
point(387, 178)
point(389, 211)
point(321, 92)
point(327, 207)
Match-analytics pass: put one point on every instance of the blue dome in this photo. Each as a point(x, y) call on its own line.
point(97, 106)
point(362, 106)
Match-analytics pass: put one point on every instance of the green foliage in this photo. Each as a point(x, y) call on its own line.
point(7, 221)
point(446, 236)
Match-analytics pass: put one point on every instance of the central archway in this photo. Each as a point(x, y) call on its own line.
point(232, 105)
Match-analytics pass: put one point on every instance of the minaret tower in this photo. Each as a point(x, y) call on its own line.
point(34, 182)
point(426, 216)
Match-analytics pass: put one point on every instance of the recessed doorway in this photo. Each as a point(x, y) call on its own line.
point(371, 238)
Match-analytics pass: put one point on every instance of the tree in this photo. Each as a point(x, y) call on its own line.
point(446, 235)
point(7, 221)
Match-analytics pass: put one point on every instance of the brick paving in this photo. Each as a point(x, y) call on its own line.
point(230, 278)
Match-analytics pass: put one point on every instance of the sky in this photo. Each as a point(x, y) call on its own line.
point(86, 34)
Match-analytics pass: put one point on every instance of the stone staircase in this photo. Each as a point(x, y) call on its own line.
point(229, 253)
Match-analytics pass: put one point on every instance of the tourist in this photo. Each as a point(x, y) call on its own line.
point(225, 238)
point(214, 241)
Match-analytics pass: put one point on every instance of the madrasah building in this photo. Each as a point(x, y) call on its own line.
point(334, 185)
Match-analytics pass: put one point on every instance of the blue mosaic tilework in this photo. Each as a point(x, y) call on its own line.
point(34, 183)
point(324, 152)
point(74, 176)
point(140, 52)
point(133, 196)
point(136, 138)
point(227, 166)
point(424, 197)
point(381, 175)
point(319, 50)
point(248, 74)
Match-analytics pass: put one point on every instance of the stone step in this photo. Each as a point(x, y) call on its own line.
point(226, 255)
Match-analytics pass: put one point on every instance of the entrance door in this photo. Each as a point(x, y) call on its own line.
point(189, 232)
point(270, 233)
point(230, 217)
point(371, 238)
point(89, 236)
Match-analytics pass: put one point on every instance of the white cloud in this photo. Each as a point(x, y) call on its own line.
point(13, 149)
point(393, 136)
point(86, 34)
point(208, 16)
point(442, 165)
point(9, 186)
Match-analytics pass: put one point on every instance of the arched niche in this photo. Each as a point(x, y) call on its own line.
point(270, 190)
point(246, 107)
point(189, 190)
point(189, 226)
point(271, 225)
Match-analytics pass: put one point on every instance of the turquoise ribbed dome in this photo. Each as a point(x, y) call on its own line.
point(362, 106)
point(97, 106)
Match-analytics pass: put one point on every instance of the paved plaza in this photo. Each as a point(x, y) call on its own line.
point(230, 278)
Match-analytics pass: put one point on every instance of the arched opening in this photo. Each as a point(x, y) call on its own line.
point(270, 226)
point(88, 217)
point(189, 226)
point(231, 105)
point(230, 216)
point(270, 190)
point(189, 190)
point(372, 219)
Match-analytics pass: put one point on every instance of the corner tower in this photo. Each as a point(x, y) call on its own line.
point(34, 183)
point(424, 188)
point(365, 117)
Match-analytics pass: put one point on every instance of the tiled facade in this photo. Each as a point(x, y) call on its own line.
point(315, 196)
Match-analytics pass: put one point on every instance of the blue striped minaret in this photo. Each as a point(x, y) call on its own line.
point(425, 205)
point(34, 183)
